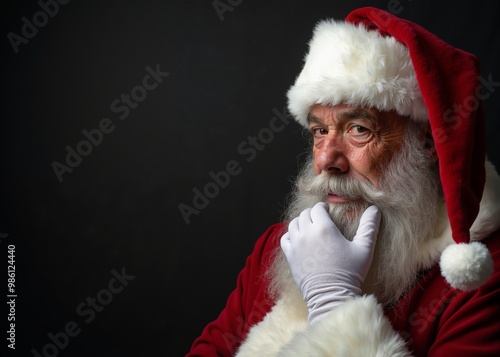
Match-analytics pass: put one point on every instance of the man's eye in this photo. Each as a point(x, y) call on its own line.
point(317, 132)
point(359, 134)
point(358, 130)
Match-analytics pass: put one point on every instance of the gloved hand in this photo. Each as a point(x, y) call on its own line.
point(326, 266)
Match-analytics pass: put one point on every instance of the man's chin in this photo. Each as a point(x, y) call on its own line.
point(349, 210)
point(347, 215)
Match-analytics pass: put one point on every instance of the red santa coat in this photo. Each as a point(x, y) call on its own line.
point(432, 319)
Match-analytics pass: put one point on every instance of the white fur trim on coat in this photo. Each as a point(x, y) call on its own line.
point(287, 318)
point(348, 64)
point(356, 328)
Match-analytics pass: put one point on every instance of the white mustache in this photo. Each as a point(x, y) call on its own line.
point(323, 184)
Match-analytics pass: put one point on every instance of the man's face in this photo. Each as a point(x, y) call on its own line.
point(366, 157)
point(356, 142)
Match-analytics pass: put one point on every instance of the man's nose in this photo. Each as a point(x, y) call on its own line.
point(330, 156)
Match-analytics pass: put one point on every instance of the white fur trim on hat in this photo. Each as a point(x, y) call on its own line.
point(347, 64)
point(466, 266)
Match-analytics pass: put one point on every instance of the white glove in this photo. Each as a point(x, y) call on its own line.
point(326, 266)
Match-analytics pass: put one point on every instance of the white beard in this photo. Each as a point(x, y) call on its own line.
point(408, 198)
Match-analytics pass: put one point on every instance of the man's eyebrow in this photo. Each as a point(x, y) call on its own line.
point(311, 118)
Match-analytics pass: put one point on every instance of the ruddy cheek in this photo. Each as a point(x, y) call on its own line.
point(369, 163)
point(316, 169)
point(380, 157)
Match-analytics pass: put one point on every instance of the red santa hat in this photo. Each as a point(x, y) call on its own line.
point(377, 60)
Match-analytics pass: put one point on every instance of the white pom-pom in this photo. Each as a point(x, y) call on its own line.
point(466, 266)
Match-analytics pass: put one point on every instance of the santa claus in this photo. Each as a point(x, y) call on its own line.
point(391, 245)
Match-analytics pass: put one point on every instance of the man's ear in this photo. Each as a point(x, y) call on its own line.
point(429, 143)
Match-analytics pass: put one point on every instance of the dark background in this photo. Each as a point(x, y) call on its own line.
point(118, 209)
